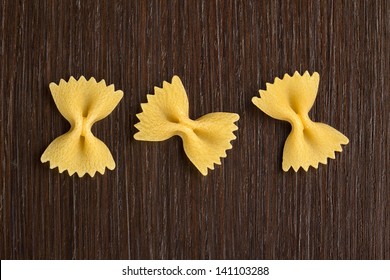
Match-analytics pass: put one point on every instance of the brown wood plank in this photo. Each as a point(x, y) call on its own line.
point(155, 204)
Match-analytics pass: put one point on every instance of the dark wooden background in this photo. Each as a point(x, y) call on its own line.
point(155, 204)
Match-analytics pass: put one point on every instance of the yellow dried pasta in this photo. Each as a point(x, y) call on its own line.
point(205, 140)
point(291, 99)
point(82, 103)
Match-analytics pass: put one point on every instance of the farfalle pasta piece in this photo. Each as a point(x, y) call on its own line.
point(205, 140)
point(291, 99)
point(82, 103)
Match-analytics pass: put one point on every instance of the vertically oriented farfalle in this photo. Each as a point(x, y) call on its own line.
point(291, 99)
point(82, 103)
point(205, 140)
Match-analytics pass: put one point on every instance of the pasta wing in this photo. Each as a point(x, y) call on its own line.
point(209, 139)
point(205, 140)
point(78, 154)
point(82, 103)
point(305, 148)
point(85, 98)
point(164, 111)
point(291, 99)
point(287, 98)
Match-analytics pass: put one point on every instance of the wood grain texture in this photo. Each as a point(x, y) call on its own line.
point(155, 204)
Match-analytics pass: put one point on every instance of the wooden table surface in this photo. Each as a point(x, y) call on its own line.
point(155, 204)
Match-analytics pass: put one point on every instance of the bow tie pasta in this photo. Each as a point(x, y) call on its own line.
point(205, 140)
point(82, 103)
point(291, 99)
